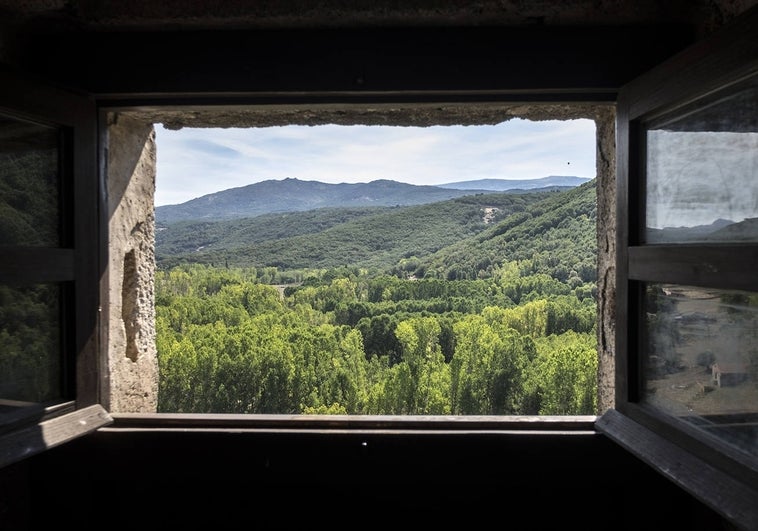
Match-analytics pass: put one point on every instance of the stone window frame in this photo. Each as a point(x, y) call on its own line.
point(130, 154)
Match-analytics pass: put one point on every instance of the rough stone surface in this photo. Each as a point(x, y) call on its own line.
point(605, 124)
point(169, 15)
point(416, 115)
point(131, 127)
point(132, 357)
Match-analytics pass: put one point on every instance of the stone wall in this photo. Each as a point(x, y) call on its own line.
point(132, 385)
point(605, 126)
point(131, 183)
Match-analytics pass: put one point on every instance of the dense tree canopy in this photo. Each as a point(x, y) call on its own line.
point(357, 344)
point(427, 309)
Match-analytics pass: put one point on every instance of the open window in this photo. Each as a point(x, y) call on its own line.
point(49, 274)
point(687, 300)
point(133, 123)
point(400, 297)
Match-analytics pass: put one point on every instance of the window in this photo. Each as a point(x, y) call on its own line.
point(48, 278)
point(33, 361)
point(137, 122)
point(700, 193)
point(687, 302)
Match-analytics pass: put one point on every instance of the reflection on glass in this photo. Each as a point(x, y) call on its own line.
point(701, 362)
point(702, 171)
point(29, 182)
point(30, 357)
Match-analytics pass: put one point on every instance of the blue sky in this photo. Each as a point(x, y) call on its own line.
point(196, 162)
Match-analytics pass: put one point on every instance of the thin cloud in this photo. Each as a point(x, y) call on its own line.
point(196, 162)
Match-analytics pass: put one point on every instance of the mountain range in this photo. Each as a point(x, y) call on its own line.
point(460, 238)
point(721, 230)
point(501, 185)
point(295, 195)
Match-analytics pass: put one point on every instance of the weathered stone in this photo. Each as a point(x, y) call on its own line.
point(131, 182)
point(132, 358)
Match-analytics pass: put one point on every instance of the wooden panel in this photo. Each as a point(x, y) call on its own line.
point(413, 479)
point(717, 266)
point(356, 422)
point(41, 436)
point(36, 265)
point(735, 500)
point(727, 56)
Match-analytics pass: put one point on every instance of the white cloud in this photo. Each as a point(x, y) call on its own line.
point(196, 162)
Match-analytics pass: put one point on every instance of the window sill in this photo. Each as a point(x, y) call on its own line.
point(356, 423)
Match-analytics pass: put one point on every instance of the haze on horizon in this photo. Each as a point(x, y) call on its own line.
point(193, 162)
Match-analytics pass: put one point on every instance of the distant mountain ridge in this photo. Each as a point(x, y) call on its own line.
point(721, 230)
point(295, 195)
point(460, 238)
point(501, 185)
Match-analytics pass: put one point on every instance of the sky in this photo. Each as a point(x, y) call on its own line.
point(192, 162)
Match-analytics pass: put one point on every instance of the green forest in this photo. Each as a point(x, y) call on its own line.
point(482, 305)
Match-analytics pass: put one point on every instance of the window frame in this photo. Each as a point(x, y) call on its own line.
point(76, 263)
point(703, 465)
point(200, 111)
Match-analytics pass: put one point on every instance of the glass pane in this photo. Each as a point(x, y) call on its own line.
point(29, 183)
point(30, 351)
point(702, 171)
point(702, 359)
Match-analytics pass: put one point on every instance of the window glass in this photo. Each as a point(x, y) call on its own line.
point(702, 359)
point(30, 351)
point(702, 167)
point(29, 184)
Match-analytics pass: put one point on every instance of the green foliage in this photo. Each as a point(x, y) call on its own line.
point(391, 311)
point(383, 238)
point(30, 367)
point(29, 195)
point(488, 366)
point(347, 342)
point(563, 379)
point(555, 236)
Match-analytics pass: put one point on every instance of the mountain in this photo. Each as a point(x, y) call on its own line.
point(555, 235)
point(295, 195)
point(328, 237)
point(461, 238)
point(721, 230)
point(501, 185)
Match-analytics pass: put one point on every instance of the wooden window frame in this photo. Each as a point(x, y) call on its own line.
point(708, 468)
point(77, 263)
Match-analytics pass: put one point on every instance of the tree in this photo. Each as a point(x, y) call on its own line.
point(421, 353)
point(563, 381)
point(488, 367)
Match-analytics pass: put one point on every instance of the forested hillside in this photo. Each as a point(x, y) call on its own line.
point(454, 239)
point(377, 237)
point(480, 315)
point(556, 235)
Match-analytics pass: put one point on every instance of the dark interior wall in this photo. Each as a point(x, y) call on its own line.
point(289, 480)
point(182, 480)
point(210, 64)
